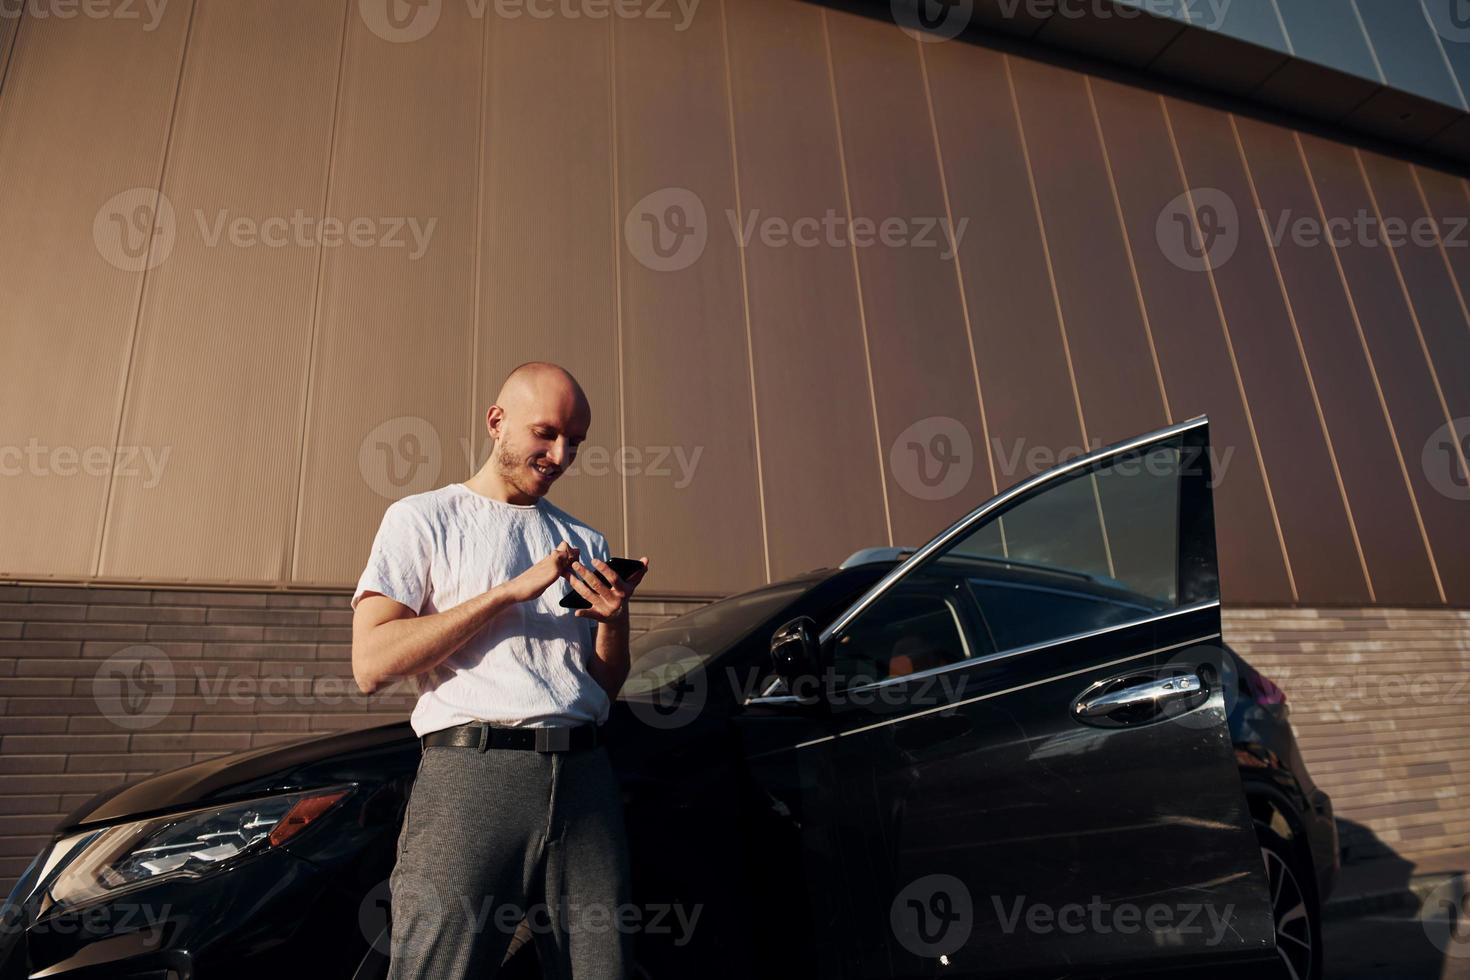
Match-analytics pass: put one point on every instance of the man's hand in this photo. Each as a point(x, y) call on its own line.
point(609, 602)
point(536, 579)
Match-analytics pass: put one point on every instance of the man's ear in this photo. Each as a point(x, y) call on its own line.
point(494, 421)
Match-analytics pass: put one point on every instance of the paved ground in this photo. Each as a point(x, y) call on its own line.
point(1396, 946)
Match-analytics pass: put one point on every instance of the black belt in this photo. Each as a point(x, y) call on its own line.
point(478, 735)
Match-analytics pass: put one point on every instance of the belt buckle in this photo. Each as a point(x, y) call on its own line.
point(556, 738)
point(484, 738)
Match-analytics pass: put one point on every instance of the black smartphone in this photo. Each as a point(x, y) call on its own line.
point(625, 567)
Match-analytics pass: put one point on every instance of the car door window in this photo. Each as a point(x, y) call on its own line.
point(1020, 615)
point(924, 624)
point(1097, 548)
point(1115, 527)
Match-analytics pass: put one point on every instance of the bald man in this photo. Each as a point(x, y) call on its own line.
point(515, 812)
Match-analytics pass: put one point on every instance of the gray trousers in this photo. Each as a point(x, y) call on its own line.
point(491, 838)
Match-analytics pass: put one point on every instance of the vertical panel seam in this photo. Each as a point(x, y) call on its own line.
point(1368, 39)
point(140, 292)
point(1128, 249)
point(614, 179)
point(475, 421)
point(1443, 55)
point(1372, 368)
point(1301, 350)
point(1250, 419)
point(959, 274)
point(1051, 275)
point(9, 55)
point(857, 273)
point(1439, 243)
point(314, 327)
point(1398, 273)
point(1285, 34)
point(760, 485)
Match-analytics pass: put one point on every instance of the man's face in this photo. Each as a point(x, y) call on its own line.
point(536, 447)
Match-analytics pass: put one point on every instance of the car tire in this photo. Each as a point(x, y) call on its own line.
point(1294, 907)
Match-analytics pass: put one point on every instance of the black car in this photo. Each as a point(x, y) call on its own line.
point(1019, 750)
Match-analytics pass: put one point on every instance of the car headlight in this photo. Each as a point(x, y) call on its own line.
point(100, 863)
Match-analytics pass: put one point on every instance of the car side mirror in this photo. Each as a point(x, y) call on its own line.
point(796, 655)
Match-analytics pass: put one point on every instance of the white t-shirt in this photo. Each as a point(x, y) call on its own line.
point(528, 666)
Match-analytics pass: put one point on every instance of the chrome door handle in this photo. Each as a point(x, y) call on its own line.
point(1151, 694)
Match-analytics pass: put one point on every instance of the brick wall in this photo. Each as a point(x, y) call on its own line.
point(1380, 701)
point(244, 669)
point(1378, 698)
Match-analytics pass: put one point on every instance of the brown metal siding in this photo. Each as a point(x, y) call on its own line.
point(1384, 517)
point(1185, 324)
point(84, 117)
point(297, 390)
point(1309, 506)
point(819, 444)
point(223, 323)
point(392, 335)
point(548, 240)
point(1438, 307)
point(686, 361)
point(1406, 380)
point(1022, 364)
point(916, 326)
point(1112, 359)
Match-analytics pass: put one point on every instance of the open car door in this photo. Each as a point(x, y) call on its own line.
point(1014, 747)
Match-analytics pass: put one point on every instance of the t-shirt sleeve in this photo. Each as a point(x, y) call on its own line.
point(402, 555)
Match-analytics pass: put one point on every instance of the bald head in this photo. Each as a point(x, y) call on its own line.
point(541, 385)
point(539, 418)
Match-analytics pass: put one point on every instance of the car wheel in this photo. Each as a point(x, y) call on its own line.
point(1294, 907)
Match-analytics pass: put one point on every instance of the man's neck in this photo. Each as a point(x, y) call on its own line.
point(487, 483)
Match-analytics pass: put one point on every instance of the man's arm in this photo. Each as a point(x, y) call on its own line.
point(390, 641)
point(609, 663)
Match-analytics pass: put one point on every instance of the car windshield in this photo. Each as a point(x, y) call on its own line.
point(671, 650)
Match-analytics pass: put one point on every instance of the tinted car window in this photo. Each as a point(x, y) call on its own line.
point(1117, 527)
point(1019, 615)
point(917, 626)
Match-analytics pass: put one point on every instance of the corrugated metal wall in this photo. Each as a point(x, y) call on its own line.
point(758, 410)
